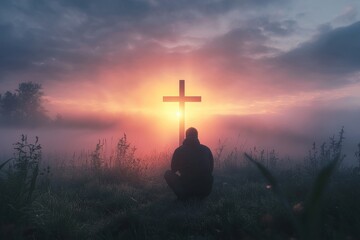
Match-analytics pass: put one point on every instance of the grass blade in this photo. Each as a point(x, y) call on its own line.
point(313, 203)
point(276, 189)
point(266, 173)
point(4, 163)
point(33, 182)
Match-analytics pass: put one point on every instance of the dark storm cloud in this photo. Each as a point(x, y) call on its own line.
point(333, 52)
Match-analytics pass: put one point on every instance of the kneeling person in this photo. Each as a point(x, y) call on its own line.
point(191, 168)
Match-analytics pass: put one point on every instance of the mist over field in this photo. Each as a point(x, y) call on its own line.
point(92, 97)
point(275, 74)
point(289, 136)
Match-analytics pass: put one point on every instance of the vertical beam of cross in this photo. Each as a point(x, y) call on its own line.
point(181, 99)
point(182, 111)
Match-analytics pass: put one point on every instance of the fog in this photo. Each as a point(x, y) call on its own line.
point(290, 134)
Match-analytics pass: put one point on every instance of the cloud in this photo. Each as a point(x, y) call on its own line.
point(41, 51)
point(237, 43)
point(335, 52)
point(275, 27)
point(250, 38)
point(60, 37)
point(240, 58)
point(52, 40)
point(143, 7)
point(349, 15)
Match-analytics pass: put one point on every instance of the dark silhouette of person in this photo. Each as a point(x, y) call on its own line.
point(192, 165)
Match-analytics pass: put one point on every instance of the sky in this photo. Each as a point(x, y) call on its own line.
point(272, 73)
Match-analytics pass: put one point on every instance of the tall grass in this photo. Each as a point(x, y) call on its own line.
point(323, 165)
point(307, 226)
point(121, 163)
point(18, 181)
point(110, 193)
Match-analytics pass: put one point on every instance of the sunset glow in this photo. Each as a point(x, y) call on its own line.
point(260, 63)
point(113, 112)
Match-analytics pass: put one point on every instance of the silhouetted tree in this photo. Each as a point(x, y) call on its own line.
point(8, 104)
point(25, 105)
point(30, 101)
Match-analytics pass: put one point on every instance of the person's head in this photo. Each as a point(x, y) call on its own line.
point(192, 133)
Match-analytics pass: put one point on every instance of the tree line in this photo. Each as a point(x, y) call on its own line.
point(25, 106)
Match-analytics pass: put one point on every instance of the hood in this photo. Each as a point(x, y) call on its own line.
point(191, 142)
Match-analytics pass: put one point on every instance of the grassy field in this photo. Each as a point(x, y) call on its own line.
point(121, 197)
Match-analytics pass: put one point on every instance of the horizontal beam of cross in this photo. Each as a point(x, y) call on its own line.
point(181, 99)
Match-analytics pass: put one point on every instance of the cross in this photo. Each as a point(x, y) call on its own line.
point(181, 99)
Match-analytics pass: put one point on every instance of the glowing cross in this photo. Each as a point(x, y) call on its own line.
point(181, 99)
